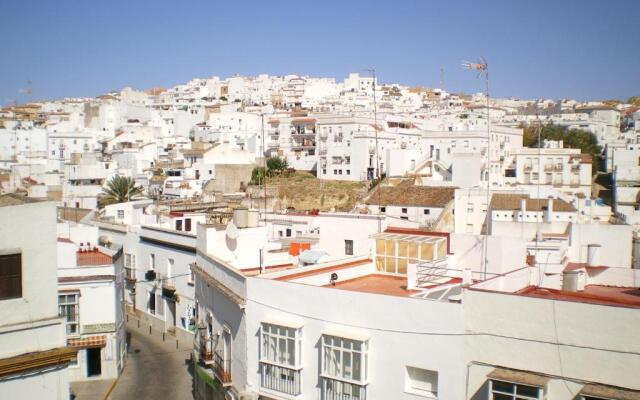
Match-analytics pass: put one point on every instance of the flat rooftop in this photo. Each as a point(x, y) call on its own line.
point(593, 294)
point(377, 284)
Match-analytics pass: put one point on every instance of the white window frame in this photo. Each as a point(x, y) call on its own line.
point(271, 333)
point(513, 394)
point(344, 346)
point(411, 387)
point(66, 304)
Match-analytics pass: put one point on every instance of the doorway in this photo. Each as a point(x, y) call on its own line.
point(94, 363)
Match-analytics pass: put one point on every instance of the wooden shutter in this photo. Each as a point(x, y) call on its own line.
point(10, 276)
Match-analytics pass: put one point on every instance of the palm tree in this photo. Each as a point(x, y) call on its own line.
point(121, 189)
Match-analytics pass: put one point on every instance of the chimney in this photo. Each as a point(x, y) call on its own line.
point(549, 209)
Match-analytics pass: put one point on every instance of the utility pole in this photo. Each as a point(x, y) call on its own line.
point(264, 176)
point(483, 69)
point(372, 71)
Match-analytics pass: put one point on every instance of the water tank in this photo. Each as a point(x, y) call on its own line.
point(570, 280)
point(241, 217)
point(254, 217)
point(592, 252)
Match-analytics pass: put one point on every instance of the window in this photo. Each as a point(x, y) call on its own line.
point(348, 247)
point(280, 345)
point(501, 390)
point(69, 309)
point(187, 224)
point(151, 304)
point(348, 172)
point(288, 232)
point(120, 214)
point(422, 382)
point(10, 276)
point(383, 209)
point(427, 211)
point(404, 210)
point(344, 368)
point(178, 224)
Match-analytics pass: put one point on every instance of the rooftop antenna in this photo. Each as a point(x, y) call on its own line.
point(482, 69)
point(372, 71)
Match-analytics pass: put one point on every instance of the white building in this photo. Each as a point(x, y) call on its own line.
point(90, 294)
point(34, 355)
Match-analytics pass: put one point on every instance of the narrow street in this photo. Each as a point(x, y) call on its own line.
point(155, 369)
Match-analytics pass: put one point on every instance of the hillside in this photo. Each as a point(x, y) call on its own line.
point(303, 191)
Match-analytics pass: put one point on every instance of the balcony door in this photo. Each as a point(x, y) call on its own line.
point(226, 345)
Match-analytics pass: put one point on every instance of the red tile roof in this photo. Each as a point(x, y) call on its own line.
point(93, 257)
point(322, 270)
point(91, 341)
point(377, 284)
point(593, 294)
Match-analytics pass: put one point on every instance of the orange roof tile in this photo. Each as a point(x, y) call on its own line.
point(93, 257)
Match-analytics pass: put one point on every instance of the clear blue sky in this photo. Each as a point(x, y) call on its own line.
point(577, 49)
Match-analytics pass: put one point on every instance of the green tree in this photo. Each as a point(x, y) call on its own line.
point(276, 165)
point(634, 101)
point(257, 176)
point(573, 139)
point(121, 189)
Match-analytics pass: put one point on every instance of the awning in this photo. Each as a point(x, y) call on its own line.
point(515, 376)
point(610, 392)
point(91, 341)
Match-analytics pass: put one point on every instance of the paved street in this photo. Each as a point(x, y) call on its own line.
point(155, 369)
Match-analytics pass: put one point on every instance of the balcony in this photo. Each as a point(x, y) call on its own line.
point(206, 354)
point(130, 274)
point(280, 379)
point(222, 368)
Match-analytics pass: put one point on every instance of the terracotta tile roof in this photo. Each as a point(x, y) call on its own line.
point(407, 194)
point(318, 271)
point(93, 257)
point(511, 202)
point(377, 284)
point(592, 294)
point(91, 341)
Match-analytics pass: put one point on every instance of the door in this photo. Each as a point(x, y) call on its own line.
point(94, 363)
point(171, 318)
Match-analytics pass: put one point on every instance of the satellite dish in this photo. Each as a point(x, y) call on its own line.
point(232, 231)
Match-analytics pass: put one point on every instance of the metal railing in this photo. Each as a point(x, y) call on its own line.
point(333, 389)
point(280, 379)
point(221, 367)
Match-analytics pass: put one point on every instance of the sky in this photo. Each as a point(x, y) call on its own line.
point(580, 49)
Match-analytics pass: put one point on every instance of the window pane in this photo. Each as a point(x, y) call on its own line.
point(530, 391)
point(380, 264)
point(282, 348)
point(402, 249)
point(498, 396)
point(346, 365)
point(402, 265)
point(391, 265)
point(356, 366)
point(391, 247)
point(502, 386)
